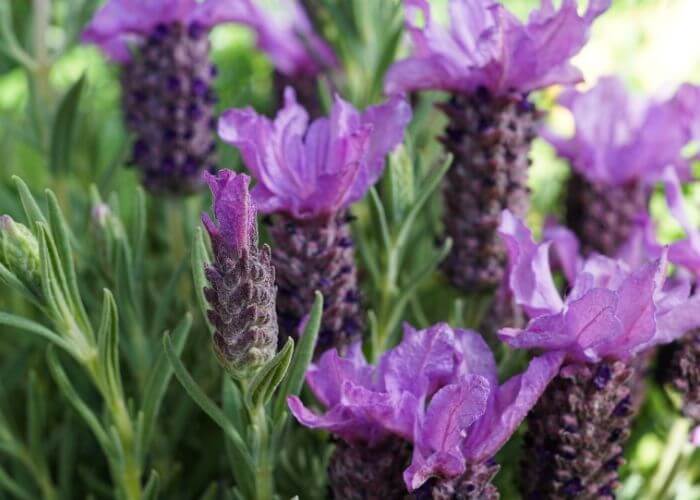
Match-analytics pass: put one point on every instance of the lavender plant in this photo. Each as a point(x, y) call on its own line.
point(621, 145)
point(308, 176)
point(611, 315)
point(303, 318)
point(489, 62)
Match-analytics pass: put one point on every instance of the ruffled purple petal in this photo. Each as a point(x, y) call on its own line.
point(529, 275)
point(488, 46)
point(422, 362)
point(508, 407)
point(474, 356)
point(318, 169)
point(326, 378)
point(566, 249)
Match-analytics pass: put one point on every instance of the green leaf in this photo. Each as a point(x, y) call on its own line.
point(381, 218)
point(13, 487)
point(36, 415)
point(108, 346)
point(410, 288)
point(428, 186)
point(152, 486)
point(303, 354)
point(64, 126)
point(63, 383)
point(266, 380)
point(30, 326)
point(31, 207)
point(159, 379)
point(208, 406)
point(200, 259)
point(62, 236)
point(164, 308)
point(11, 280)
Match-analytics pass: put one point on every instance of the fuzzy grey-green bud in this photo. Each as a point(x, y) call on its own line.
point(19, 252)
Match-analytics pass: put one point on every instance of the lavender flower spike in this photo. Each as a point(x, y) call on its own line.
point(610, 317)
point(621, 145)
point(489, 61)
point(684, 368)
point(437, 392)
point(297, 52)
point(167, 92)
point(241, 277)
point(308, 176)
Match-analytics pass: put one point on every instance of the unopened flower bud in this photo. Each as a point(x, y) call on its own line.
point(19, 252)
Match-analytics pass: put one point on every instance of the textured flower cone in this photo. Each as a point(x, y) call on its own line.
point(603, 216)
point(359, 473)
point(242, 300)
point(474, 484)
point(490, 139)
point(576, 433)
point(168, 105)
point(317, 254)
point(685, 374)
point(306, 89)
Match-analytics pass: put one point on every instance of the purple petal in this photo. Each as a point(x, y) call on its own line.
point(591, 321)
point(475, 356)
point(676, 321)
point(440, 464)
point(422, 362)
point(637, 310)
point(529, 275)
point(508, 407)
point(286, 35)
point(566, 249)
point(326, 378)
point(233, 210)
point(451, 411)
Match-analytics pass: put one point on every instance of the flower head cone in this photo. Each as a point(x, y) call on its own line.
point(308, 176)
point(438, 392)
point(489, 61)
point(611, 316)
point(167, 83)
point(241, 294)
point(621, 146)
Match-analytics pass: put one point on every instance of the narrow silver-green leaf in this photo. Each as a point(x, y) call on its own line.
point(204, 402)
point(30, 326)
point(29, 204)
point(159, 379)
point(200, 259)
point(64, 384)
point(150, 492)
point(266, 380)
point(64, 127)
point(108, 345)
point(303, 354)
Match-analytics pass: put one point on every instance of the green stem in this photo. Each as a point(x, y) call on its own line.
point(264, 485)
point(667, 470)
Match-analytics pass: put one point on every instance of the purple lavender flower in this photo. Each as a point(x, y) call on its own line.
point(308, 175)
point(488, 47)
point(610, 317)
point(167, 82)
point(489, 61)
point(621, 145)
point(285, 33)
point(242, 291)
point(437, 390)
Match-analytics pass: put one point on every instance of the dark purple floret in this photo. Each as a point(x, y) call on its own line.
point(578, 431)
point(315, 254)
point(165, 84)
point(489, 137)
